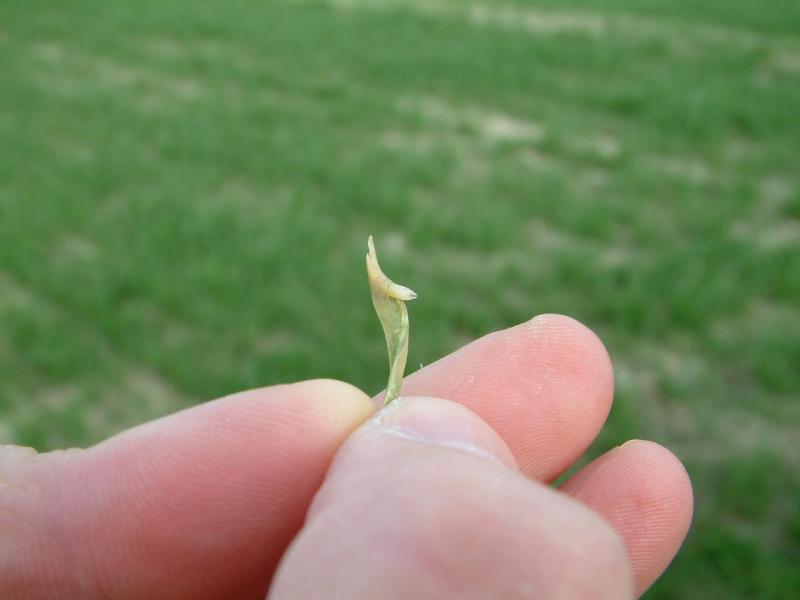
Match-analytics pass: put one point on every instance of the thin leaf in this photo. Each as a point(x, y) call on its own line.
point(389, 300)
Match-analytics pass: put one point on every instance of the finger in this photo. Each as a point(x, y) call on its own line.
point(645, 493)
point(424, 502)
point(200, 504)
point(545, 386)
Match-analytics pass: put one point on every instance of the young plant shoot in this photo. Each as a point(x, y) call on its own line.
point(390, 300)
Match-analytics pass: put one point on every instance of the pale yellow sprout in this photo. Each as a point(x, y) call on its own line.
point(389, 300)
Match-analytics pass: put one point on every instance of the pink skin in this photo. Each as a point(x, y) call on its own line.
point(545, 386)
point(458, 521)
point(204, 503)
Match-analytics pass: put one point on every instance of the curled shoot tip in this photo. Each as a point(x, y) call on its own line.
point(389, 300)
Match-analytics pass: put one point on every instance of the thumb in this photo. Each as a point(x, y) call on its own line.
point(425, 501)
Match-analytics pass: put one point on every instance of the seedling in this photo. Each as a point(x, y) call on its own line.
point(390, 300)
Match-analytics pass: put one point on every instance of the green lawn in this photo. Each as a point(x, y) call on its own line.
point(186, 190)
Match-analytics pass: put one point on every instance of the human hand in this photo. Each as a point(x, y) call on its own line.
point(430, 499)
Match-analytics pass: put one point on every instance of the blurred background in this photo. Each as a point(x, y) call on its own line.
point(186, 191)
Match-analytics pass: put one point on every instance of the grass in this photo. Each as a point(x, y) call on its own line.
point(186, 190)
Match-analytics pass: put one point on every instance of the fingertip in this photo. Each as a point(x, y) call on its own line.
point(659, 482)
point(545, 386)
point(340, 402)
point(572, 388)
point(324, 406)
point(202, 503)
point(580, 351)
point(660, 494)
point(643, 490)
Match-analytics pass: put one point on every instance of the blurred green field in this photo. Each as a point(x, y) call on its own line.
point(186, 190)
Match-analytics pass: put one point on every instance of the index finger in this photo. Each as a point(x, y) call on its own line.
point(199, 504)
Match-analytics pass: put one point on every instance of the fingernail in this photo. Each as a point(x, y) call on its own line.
point(445, 424)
